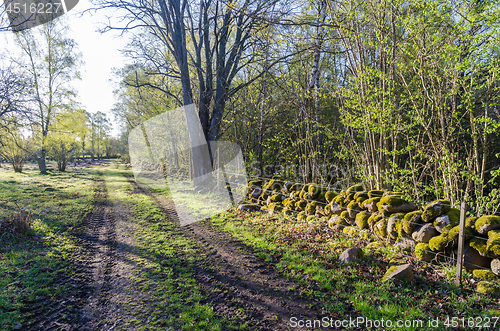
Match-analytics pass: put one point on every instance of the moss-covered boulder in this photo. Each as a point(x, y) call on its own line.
point(288, 187)
point(479, 245)
point(311, 208)
point(318, 192)
point(394, 204)
point(301, 216)
point(423, 252)
point(288, 212)
point(296, 187)
point(255, 183)
point(493, 243)
point(360, 201)
point(473, 260)
point(470, 223)
point(401, 272)
point(300, 205)
point(249, 207)
point(392, 225)
point(339, 200)
point(273, 185)
point(484, 274)
point(361, 194)
point(371, 204)
point(276, 198)
point(349, 198)
point(380, 228)
point(410, 221)
point(310, 218)
point(288, 202)
point(438, 243)
point(486, 287)
point(353, 209)
point(435, 209)
point(484, 224)
point(451, 218)
point(274, 207)
point(329, 196)
point(424, 233)
point(375, 194)
point(373, 219)
point(446, 241)
point(354, 189)
point(362, 219)
point(327, 210)
point(337, 219)
point(345, 216)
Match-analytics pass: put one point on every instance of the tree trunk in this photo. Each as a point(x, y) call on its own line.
point(41, 160)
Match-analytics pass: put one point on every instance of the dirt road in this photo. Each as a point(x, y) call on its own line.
point(240, 288)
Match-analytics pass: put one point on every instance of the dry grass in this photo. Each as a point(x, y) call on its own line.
point(19, 221)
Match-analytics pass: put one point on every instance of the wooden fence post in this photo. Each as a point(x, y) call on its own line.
point(461, 239)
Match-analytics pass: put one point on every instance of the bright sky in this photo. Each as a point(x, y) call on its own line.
point(101, 53)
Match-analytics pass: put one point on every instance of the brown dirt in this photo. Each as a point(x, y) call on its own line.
point(234, 278)
point(231, 277)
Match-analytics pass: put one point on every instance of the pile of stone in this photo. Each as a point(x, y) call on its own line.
point(430, 231)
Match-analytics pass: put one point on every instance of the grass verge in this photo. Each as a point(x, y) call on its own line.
point(308, 253)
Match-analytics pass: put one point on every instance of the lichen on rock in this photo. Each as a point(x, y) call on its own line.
point(362, 219)
point(371, 204)
point(451, 218)
point(329, 196)
point(493, 243)
point(435, 209)
point(486, 287)
point(410, 221)
point(484, 224)
point(478, 244)
point(484, 274)
point(423, 252)
point(395, 204)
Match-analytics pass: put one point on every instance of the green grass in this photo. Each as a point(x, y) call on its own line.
point(164, 265)
point(32, 264)
point(308, 254)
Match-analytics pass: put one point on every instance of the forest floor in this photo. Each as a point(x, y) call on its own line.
point(107, 254)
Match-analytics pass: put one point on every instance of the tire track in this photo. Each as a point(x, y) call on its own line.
point(235, 280)
point(97, 256)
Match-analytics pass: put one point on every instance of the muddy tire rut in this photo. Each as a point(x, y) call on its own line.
point(235, 280)
point(102, 238)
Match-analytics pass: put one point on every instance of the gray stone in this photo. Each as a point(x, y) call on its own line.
point(440, 222)
point(495, 266)
point(372, 207)
point(336, 209)
point(256, 192)
point(425, 233)
point(249, 207)
point(473, 260)
point(402, 272)
point(350, 255)
point(405, 244)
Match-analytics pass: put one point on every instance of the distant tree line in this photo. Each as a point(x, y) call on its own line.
point(39, 117)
